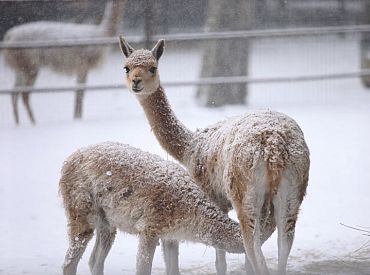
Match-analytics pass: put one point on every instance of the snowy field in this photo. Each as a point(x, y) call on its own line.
point(334, 115)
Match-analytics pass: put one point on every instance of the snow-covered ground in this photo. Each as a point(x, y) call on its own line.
point(334, 115)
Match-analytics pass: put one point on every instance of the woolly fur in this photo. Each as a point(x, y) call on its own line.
point(241, 163)
point(141, 194)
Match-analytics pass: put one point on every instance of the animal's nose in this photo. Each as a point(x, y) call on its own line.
point(136, 81)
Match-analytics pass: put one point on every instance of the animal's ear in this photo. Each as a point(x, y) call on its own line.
point(126, 49)
point(158, 49)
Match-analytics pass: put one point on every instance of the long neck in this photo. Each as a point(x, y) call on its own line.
point(173, 136)
point(112, 17)
point(216, 229)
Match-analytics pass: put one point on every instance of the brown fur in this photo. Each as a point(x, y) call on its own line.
point(177, 136)
point(257, 162)
point(111, 185)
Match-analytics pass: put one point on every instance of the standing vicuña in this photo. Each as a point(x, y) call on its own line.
point(68, 60)
point(257, 163)
point(111, 185)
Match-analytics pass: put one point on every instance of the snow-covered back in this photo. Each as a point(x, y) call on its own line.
point(139, 193)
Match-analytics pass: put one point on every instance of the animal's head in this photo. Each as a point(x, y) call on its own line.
point(141, 67)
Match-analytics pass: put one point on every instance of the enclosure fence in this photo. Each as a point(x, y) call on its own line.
point(181, 37)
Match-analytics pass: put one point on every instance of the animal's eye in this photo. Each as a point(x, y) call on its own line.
point(127, 70)
point(153, 70)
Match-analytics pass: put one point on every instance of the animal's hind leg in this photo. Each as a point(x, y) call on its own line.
point(81, 79)
point(145, 253)
point(268, 224)
point(171, 256)
point(248, 215)
point(286, 203)
point(221, 266)
point(80, 233)
point(250, 228)
point(248, 266)
point(248, 201)
point(30, 78)
point(19, 81)
point(26, 102)
point(221, 262)
point(105, 235)
point(15, 107)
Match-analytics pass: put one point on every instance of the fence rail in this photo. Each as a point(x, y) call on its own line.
point(199, 82)
point(105, 41)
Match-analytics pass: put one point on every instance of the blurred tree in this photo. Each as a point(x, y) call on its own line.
point(365, 46)
point(227, 57)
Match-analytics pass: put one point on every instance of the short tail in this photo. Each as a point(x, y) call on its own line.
point(276, 157)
